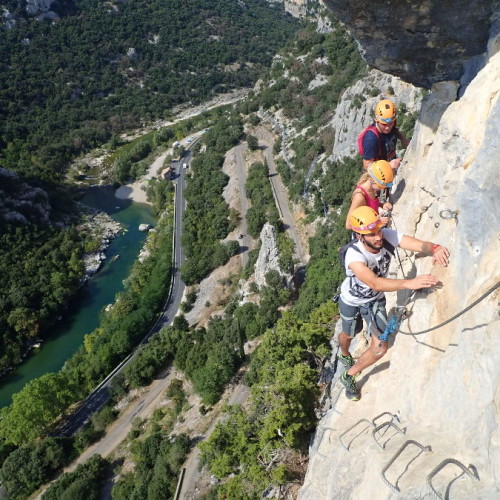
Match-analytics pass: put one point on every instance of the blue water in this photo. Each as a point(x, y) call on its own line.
point(82, 317)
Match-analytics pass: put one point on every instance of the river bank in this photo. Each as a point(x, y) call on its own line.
point(83, 314)
point(136, 191)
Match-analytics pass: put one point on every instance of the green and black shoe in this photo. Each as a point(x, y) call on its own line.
point(351, 391)
point(347, 361)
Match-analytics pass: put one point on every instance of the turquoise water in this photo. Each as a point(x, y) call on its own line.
point(82, 317)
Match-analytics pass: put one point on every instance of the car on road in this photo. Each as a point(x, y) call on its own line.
point(189, 140)
point(184, 165)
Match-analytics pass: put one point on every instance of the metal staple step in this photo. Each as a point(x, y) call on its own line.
point(471, 471)
point(394, 487)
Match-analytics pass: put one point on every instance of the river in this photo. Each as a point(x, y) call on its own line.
point(82, 316)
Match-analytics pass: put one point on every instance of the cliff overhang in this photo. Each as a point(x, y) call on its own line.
point(420, 42)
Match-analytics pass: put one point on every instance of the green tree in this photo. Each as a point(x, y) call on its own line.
point(253, 143)
point(31, 465)
point(34, 408)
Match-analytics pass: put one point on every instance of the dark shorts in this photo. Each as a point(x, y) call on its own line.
point(373, 313)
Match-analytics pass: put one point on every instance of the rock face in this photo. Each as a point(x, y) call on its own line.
point(36, 6)
point(444, 384)
point(21, 203)
point(421, 42)
point(268, 255)
point(297, 8)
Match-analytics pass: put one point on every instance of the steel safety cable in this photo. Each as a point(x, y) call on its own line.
point(463, 311)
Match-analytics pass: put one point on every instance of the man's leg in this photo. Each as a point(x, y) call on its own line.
point(345, 343)
point(376, 350)
point(351, 325)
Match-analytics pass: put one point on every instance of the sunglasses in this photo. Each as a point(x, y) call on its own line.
point(386, 121)
point(369, 227)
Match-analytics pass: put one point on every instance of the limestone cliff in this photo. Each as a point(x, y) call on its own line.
point(421, 42)
point(268, 259)
point(443, 385)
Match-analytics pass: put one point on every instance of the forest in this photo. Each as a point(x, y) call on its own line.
point(73, 84)
point(68, 86)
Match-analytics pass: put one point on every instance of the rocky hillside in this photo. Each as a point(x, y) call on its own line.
point(441, 383)
point(20, 202)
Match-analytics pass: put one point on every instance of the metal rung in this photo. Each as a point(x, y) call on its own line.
point(370, 423)
point(471, 471)
point(393, 417)
point(381, 426)
point(320, 439)
point(394, 487)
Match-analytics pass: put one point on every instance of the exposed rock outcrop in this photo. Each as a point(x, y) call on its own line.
point(268, 259)
point(297, 8)
point(444, 385)
point(36, 6)
point(421, 42)
point(101, 227)
point(21, 203)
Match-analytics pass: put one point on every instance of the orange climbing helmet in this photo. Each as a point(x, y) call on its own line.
point(364, 220)
point(385, 111)
point(381, 173)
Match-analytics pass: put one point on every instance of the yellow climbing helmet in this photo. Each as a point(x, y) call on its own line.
point(385, 111)
point(381, 173)
point(364, 220)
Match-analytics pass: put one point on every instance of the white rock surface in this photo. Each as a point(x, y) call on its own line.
point(36, 6)
point(268, 255)
point(443, 385)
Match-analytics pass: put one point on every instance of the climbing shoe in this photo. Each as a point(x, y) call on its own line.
point(351, 391)
point(347, 361)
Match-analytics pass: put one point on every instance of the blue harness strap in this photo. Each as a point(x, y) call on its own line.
point(393, 324)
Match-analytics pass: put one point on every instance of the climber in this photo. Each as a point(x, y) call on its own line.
point(378, 176)
point(378, 141)
point(362, 292)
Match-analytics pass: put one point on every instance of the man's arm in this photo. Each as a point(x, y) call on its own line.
point(370, 279)
point(370, 148)
point(439, 254)
point(367, 163)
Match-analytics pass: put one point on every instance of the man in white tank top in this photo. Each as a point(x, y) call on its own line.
point(362, 292)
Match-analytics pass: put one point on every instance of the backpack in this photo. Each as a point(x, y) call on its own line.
point(361, 136)
point(343, 250)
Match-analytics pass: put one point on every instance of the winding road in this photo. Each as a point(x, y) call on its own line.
point(280, 194)
point(241, 175)
point(98, 398)
point(119, 430)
